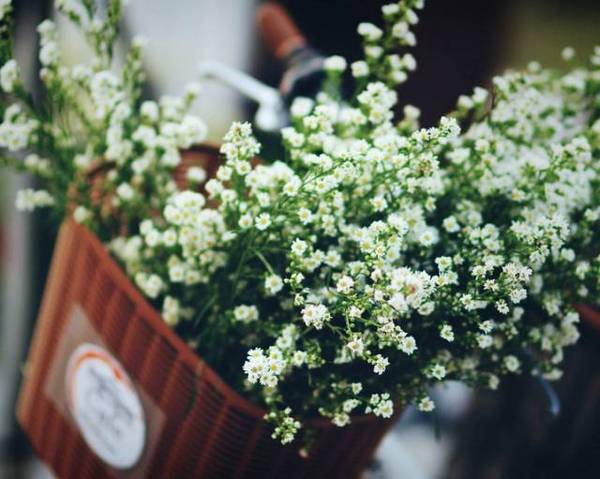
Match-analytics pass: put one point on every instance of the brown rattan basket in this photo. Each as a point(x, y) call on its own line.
point(589, 315)
point(198, 426)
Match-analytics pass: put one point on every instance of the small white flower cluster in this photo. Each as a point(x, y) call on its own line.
point(273, 284)
point(49, 53)
point(18, 130)
point(245, 313)
point(315, 315)
point(286, 426)
point(9, 76)
point(381, 405)
point(29, 200)
point(135, 150)
point(346, 237)
point(425, 404)
point(336, 64)
point(264, 368)
point(381, 61)
point(5, 8)
point(239, 145)
point(378, 259)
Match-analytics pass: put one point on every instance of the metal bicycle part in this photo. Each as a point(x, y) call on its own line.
point(272, 113)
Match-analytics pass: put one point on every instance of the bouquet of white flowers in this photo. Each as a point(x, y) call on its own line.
point(93, 119)
point(371, 261)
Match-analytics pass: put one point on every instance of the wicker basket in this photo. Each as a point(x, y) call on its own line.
point(196, 425)
point(589, 315)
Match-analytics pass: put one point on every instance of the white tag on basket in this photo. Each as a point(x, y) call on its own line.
point(105, 405)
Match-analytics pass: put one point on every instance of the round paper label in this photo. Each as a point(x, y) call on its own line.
point(105, 406)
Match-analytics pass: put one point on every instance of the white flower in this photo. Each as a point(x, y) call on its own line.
point(49, 54)
point(512, 363)
point(344, 284)
point(374, 51)
point(196, 174)
point(341, 419)
point(5, 6)
point(246, 221)
point(447, 333)
point(184, 207)
point(273, 284)
point(315, 315)
point(292, 187)
point(29, 200)
point(47, 29)
point(37, 165)
point(150, 111)
point(293, 137)
point(335, 63)
point(263, 221)
point(409, 62)
point(451, 225)
point(390, 9)
point(299, 247)
point(384, 409)
point(567, 254)
point(152, 238)
point(301, 107)
point(408, 345)
point(299, 358)
point(356, 388)
point(484, 341)
point(145, 135)
point(105, 92)
point(356, 346)
point(151, 284)
point(171, 311)
point(242, 168)
point(437, 371)
point(427, 238)
point(369, 31)
point(125, 192)
point(169, 237)
point(245, 313)
point(82, 162)
point(192, 131)
point(411, 112)
point(305, 215)
point(256, 365)
point(81, 214)
point(9, 75)
point(379, 203)
point(360, 69)
point(568, 53)
point(425, 404)
point(239, 144)
point(380, 365)
point(487, 326)
point(139, 41)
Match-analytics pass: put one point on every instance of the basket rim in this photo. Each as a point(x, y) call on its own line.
point(185, 353)
point(590, 315)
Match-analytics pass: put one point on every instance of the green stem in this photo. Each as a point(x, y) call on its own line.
point(264, 261)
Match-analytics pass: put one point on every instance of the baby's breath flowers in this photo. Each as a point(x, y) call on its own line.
point(133, 146)
point(383, 258)
point(379, 258)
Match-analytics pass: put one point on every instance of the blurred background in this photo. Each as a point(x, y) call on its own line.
point(461, 44)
